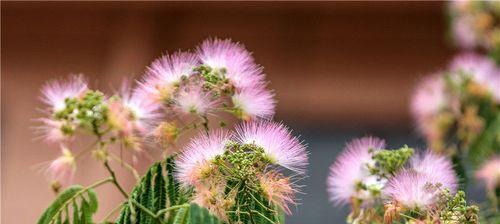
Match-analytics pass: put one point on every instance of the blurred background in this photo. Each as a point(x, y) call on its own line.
point(340, 70)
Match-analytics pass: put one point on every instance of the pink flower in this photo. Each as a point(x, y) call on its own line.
point(251, 103)
point(481, 69)
point(412, 190)
point(278, 189)
point(194, 100)
point(63, 168)
point(280, 147)
point(463, 32)
point(232, 59)
point(428, 100)
point(55, 93)
point(490, 172)
point(351, 169)
point(166, 72)
point(53, 130)
point(436, 168)
point(428, 97)
point(195, 160)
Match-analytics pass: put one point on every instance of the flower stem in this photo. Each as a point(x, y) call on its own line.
point(114, 180)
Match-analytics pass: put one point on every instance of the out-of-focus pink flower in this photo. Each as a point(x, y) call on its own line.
point(412, 189)
point(490, 172)
point(251, 103)
point(55, 93)
point(437, 169)
point(351, 168)
point(232, 59)
point(194, 100)
point(481, 69)
point(278, 190)
point(166, 72)
point(52, 130)
point(195, 160)
point(280, 147)
point(428, 99)
point(62, 169)
point(463, 32)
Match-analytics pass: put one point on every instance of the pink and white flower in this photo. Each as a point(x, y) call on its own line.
point(251, 103)
point(481, 69)
point(62, 169)
point(194, 100)
point(280, 147)
point(351, 168)
point(166, 72)
point(412, 189)
point(55, 93)
point(195, 160)
point(232, 58)
point(436, 168)
point(53, 130)
point(490, 172)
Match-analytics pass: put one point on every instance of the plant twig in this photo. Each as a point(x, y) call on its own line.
point(114, 180)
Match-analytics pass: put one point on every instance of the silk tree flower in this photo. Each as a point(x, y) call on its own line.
point(233, 60)
point(280, 147)
point(55, 131)
point(62, 169)
point(194, 100)
point(490, 173)
point(165, 73)
point(131, 114)
point(481, 69)
point(427, 102)
point(278, 189)
point(195, 160)
point(251, 103)
point(351, 169)
point(413, 190)
point(55, 93)
point(436, 168)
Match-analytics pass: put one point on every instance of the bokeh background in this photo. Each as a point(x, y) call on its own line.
point(340, 70)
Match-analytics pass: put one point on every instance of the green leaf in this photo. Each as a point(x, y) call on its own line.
point(59, 209)
point(487, 143)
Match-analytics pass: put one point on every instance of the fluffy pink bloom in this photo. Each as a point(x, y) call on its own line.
point(194, 99)
point(463, 32)
point(55, 93)
point(428, 97)
point(234, 59)
point(351, 168)
point(165, 72)
point(253, 103)
point(280, 147)
point(481, 69)
point(52, 130)
point(194, 161)
point(62, 169)
point(133, 111)
point(412, 189)
point(436, 168)
point(490, 172)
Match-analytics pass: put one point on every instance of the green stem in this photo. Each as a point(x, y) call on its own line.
point(146, 210)
point(175, 207)
point(114, 180)
point(110, 213)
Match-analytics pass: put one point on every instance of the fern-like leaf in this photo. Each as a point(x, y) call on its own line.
point(82, 201)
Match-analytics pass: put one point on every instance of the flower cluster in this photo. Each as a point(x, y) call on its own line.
point(463, 97)
point(474, 24)
point(179, 92)
point(230, 172)
point(389, 185)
